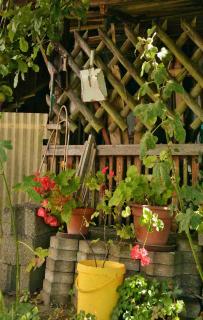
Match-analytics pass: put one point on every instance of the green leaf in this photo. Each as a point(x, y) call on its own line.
point(170, 87)
point(95, 215)
point(24, 46)
point(126, 213)
point(67, 210)
point(144, 89)
point(159, 74)
point(149, 161)
point(151, 31)
point(35, 67)
point(146, 66)
point(183, 219)
point(22, 65)
point(15, 82)
point(147, 142)
point(6, 90)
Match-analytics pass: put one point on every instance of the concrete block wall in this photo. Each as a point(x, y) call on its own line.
point(32, 231)
point(177, 266)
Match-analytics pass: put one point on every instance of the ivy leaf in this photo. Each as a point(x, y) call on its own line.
point(149, 112)
point(159, 74)
point(144, 89)
point(6, 90)
point(24, 46)
point(149, 161)
point(172, 86)
point(147, 142)
point(183, 218)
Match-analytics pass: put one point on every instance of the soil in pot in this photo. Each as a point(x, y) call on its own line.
point(78, 222)
point(154, 237)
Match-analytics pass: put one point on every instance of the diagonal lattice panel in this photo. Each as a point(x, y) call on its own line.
point(121, 66)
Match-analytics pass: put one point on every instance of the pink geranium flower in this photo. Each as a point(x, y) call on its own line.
point(141, 254)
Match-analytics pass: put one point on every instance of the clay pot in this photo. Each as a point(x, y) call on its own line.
point(77, 223)
point(154, 237)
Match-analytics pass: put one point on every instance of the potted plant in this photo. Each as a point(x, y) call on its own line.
point(60, 200)
point(141, 298)
point(148, 197)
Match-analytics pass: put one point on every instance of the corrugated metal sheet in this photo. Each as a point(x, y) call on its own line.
point(26, 132)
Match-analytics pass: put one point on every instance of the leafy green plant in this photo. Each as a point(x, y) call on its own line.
point(143, 299)
point(84, 316)
point(57, 194)
point(158, 114)
point(143, 189)
point(21, 311)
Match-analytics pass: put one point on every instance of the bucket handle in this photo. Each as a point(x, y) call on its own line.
point(93, 289)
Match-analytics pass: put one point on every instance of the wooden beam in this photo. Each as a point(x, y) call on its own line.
point(127, 150)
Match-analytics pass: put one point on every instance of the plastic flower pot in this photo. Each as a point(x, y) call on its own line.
point(97, 287)
point(79, 221)
point(154, 237)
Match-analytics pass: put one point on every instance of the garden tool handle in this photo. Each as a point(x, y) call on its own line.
point(92, 54)
point(93, 289)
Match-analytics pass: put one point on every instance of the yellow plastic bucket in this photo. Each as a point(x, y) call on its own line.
point(97, 287)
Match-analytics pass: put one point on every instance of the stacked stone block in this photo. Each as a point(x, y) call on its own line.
point(60, 270)
point(32, 231)
point(121, 253)
point(191, 283)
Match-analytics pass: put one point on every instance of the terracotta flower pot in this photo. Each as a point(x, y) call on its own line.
point(154, 237)
point(77, 223)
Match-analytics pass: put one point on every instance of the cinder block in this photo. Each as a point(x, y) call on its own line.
point(54, 299)
point(85, 256)
point(60, 265)
point(187, 257)
point(59, 277)
point(63, 255)
point(131, 265)
point(121, 250)
point(98, 248)
point(64, 244)
point(191, 281)
point(165, 258)
point(192, 307)
point(183, 245)
point(5, 277)
point(160, 270)
point(56, 288)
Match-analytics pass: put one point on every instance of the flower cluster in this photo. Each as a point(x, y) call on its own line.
point(111, 172)
point(46, 186)
point(141, 254)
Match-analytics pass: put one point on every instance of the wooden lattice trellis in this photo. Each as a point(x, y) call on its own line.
point(120, 100)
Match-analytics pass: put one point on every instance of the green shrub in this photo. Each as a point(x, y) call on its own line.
point(143, 299)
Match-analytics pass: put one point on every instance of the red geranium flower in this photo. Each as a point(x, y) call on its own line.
point(111, 173)
point(41, 212)
point(51, 220)
point(104, 170)
point(47, 184)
